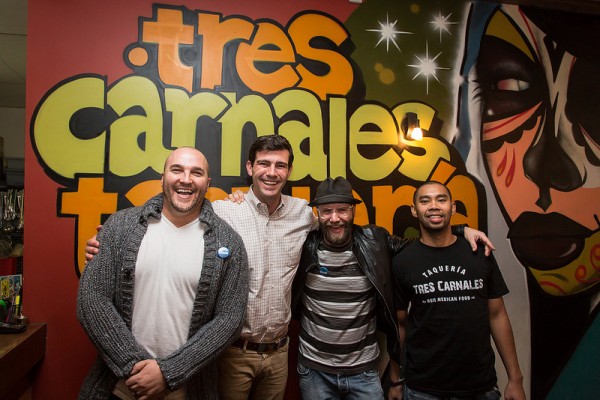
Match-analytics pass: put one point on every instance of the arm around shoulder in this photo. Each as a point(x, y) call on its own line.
point(473, 236)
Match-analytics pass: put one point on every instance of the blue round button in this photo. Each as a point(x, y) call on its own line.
point(223, 252)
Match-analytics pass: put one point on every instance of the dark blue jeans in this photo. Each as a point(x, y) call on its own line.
point(317, 385)
point(410, 394)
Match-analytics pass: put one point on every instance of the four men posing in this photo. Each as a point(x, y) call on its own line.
point(343, 290)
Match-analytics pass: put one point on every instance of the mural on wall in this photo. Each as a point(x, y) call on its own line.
point(527, 112)
point(214, 82)
point(502, 94)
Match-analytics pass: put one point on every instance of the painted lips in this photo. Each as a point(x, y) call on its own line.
point(547, 241)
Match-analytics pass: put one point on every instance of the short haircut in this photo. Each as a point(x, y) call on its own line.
point(186, 147)
point(430, 183)
point(270, 143)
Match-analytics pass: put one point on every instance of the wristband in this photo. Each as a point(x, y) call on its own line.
point(459, 230)
point(400, 382)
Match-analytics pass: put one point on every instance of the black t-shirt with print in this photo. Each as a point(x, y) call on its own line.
point(448, 343)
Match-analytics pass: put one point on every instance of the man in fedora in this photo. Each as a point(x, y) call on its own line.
point(342, 294)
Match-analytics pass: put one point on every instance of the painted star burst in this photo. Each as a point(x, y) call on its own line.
point(427, 66)
point(388, 33)
point(441, 23)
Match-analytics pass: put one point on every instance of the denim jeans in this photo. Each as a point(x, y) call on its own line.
point(410, 394)
point(317, 385)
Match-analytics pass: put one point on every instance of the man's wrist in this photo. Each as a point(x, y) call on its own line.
point(459, 230)
point(399, 383)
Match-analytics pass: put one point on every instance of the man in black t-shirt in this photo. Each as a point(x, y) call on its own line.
point(455, 299)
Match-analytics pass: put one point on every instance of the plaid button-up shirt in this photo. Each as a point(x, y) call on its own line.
point(273, 243)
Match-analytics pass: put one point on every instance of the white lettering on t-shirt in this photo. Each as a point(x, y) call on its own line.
point(444, 268)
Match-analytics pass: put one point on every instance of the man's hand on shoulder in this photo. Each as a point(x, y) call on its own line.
point(236, 197)
point(473, 236)
point(92, 246)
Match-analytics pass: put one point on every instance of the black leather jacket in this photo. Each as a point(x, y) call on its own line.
point(374, 248)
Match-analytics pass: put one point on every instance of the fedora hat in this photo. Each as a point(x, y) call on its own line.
point(336, 190)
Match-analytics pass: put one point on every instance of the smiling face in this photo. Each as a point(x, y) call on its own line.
point(335, 221)
point(433, 207)
point(185, 182)
point(270, 172)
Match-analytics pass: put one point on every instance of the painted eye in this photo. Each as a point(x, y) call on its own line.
point(513, 85)
point(508, 81)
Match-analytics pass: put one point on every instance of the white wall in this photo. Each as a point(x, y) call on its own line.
point(12, 129)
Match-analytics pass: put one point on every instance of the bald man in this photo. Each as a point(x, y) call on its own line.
point(166, 294)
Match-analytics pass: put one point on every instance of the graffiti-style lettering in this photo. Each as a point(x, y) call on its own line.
point(339, 80)
point(137, 139)
point(203, 78)
point(216, 33)
point(268, 58)
point(169, 33)
point(88, 203)
point(52, 128)
point(271, 46)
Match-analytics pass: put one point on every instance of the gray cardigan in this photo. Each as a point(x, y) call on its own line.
point(105, 305)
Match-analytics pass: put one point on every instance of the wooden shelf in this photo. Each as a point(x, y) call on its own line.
point(19, 354)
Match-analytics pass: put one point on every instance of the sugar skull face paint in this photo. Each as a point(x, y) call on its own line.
point(540, 142)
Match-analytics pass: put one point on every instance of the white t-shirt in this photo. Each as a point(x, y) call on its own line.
point(167, 272)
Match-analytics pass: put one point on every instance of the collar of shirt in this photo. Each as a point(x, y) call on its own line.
point(251, 198)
